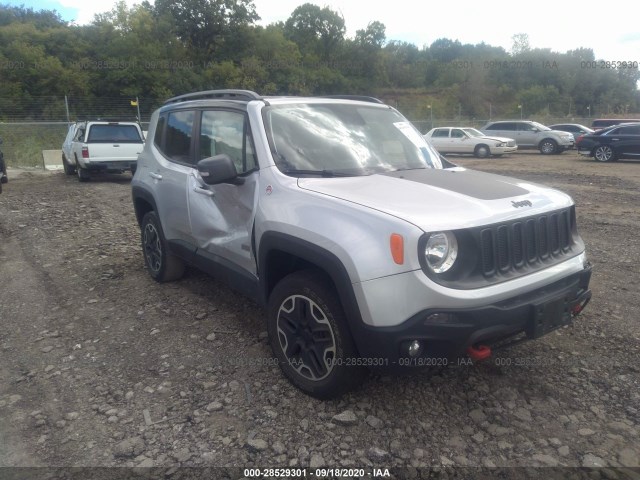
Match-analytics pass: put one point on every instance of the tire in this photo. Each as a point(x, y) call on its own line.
point(604, 153)
point(161, 265)
point(482, 151)
point(68, 169)
point(548, 146)
point(309, 336)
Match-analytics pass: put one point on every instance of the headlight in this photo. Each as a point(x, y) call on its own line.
point(500, 145)
point(441, 251)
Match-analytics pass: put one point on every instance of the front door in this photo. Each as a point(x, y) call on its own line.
point(222, 215)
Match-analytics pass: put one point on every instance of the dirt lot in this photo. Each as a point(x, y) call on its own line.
point(101, 366)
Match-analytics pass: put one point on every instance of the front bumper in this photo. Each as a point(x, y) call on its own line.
point(448, 333)
point(503, 150)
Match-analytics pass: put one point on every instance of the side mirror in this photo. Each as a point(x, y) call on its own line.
point(219, 169)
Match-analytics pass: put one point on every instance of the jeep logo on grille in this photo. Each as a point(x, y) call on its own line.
point(523, 203)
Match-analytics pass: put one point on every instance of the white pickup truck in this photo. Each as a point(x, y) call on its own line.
point(102, 146)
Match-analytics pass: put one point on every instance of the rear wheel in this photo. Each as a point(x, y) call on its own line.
point(309, 336)
point(161, 264)
point(83, 174)
point(482, 151)
point(604, 153)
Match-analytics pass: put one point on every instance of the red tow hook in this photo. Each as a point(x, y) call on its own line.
point(579, 307)
point(480, 352)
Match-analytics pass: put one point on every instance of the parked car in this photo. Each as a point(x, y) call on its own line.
point(573, 128)
point(340, 218)
point(610, 144)
point(600, 123)
point(3, 169)
point(103, 146)
point(67, 153)
point(528, 134)
point(469, 140)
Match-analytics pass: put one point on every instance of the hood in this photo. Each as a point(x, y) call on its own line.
point(562, 132)
point(498, 139)
point(443, 199)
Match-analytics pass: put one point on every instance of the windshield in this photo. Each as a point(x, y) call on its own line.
point(344, 139)
point(472, 132)
point(539, 126)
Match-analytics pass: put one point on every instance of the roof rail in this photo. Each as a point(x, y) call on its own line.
point(361, 98)
point(107, 119)
point(228, 94)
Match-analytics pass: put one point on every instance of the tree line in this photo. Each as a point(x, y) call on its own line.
point(172, 47)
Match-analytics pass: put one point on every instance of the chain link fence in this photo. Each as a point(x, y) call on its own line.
point(30, 125)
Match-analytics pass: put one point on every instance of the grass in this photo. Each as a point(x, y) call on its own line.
point(23, 142)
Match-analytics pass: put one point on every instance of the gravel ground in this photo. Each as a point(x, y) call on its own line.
point(101, 366)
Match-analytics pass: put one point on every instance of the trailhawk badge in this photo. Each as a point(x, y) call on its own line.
point(523, 203)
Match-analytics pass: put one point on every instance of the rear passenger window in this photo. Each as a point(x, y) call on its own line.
point(159, 136)
point(225, 132)
point(177, 145)
point(503, 126)
point(440, 132)
point(629, 130)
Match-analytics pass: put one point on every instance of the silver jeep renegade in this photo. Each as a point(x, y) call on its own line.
point(366, 247)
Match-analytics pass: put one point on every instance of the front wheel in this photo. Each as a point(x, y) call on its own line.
point(548, 147)
point(68, 169)
point(604, 153)
point(310, 338)
point(482, 151)
point(161, 264)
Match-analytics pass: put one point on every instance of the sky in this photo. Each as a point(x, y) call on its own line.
point(559, 26)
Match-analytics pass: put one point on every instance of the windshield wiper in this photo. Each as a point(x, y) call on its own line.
point(319, 173)
point(409, 168)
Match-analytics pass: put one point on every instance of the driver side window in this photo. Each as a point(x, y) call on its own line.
point(227, 132)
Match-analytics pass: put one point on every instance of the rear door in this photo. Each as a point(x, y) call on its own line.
point(174, 145)
point(503, 129)
point(440, 140)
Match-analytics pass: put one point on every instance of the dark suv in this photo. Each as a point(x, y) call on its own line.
point(610, 144)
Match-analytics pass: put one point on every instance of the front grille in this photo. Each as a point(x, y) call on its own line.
point(521, 244)
point(511, 143)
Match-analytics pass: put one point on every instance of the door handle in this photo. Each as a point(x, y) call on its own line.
point(203, 191)
point(156, 176)
point(615, 139)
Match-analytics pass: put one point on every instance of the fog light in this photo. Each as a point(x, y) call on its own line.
point(414, 349)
